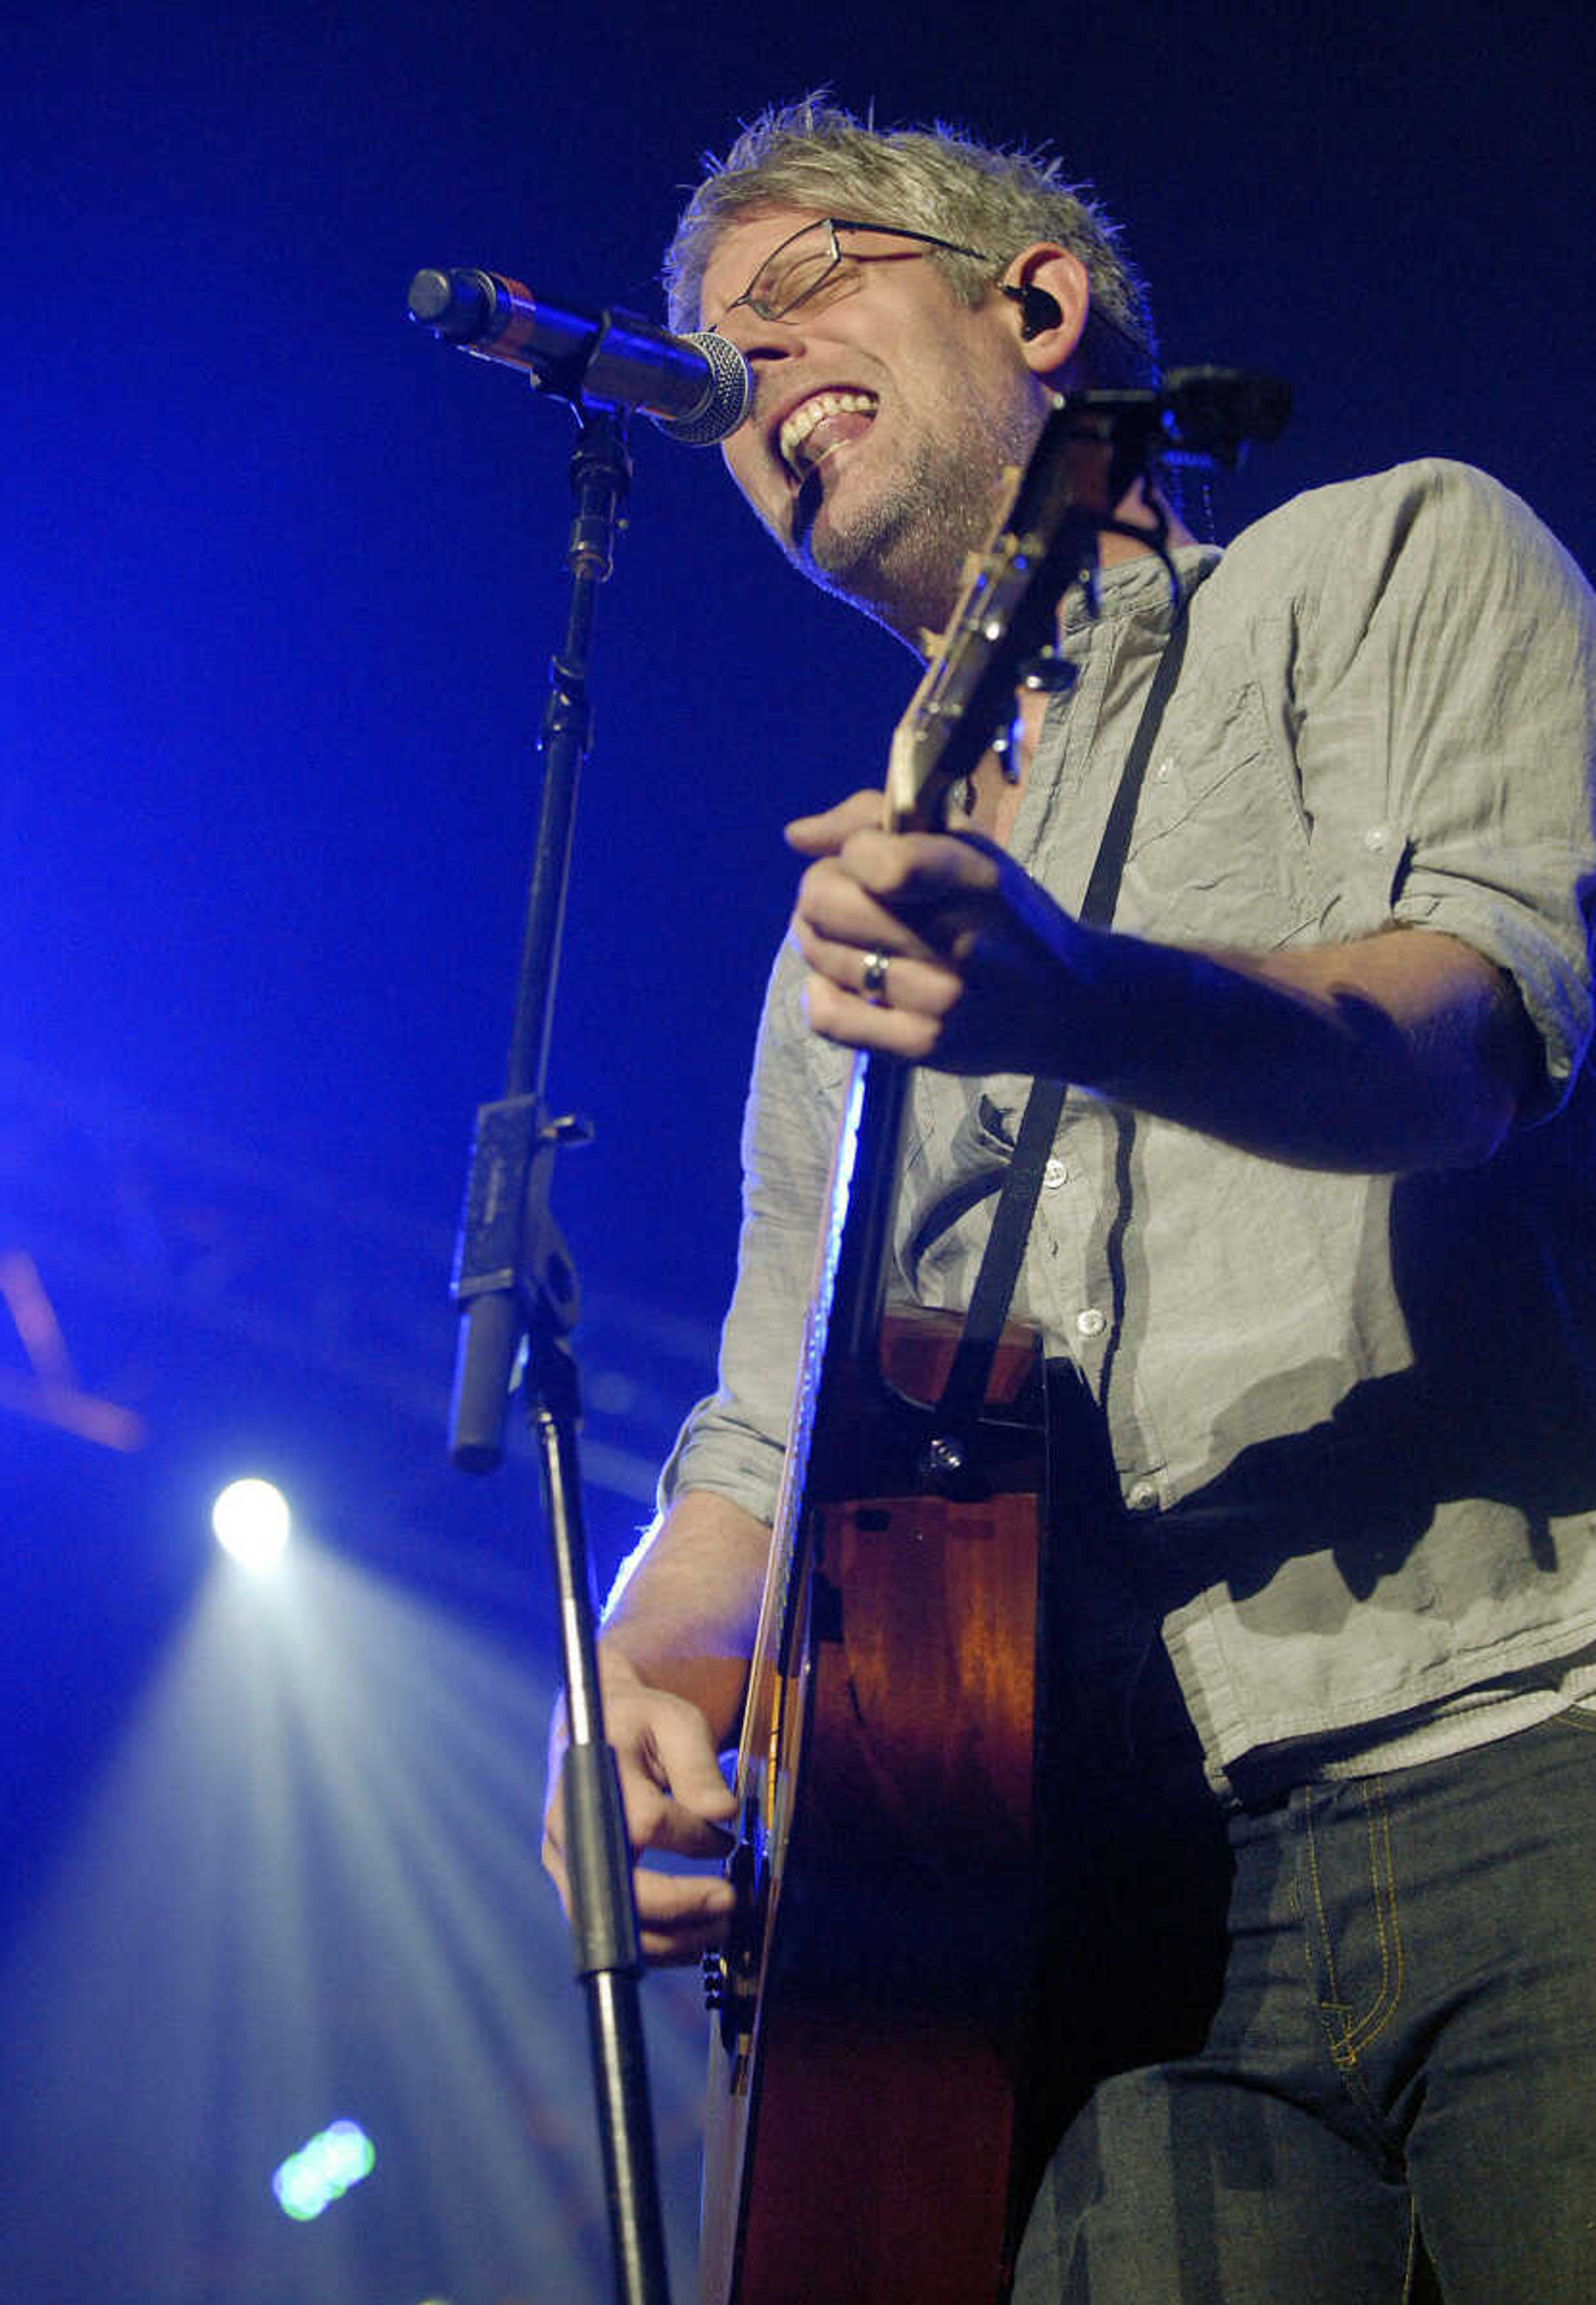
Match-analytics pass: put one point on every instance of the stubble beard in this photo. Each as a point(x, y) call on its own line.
point(897, 555)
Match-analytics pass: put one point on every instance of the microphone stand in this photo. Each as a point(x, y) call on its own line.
point(518, 1295)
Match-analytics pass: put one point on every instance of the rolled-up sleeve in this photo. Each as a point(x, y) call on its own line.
point(1444, 743)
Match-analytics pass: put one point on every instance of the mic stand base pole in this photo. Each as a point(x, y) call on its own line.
point(604, 1927)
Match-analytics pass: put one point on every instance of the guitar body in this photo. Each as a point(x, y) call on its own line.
point(871, 2130)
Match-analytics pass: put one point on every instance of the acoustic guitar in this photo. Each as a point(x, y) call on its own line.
point(878, 2105)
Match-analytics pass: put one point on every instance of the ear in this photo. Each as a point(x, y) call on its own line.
point(1051, 297)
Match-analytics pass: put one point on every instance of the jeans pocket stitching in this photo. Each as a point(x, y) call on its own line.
point(1388, 1928)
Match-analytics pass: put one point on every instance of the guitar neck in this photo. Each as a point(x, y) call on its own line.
point(840, 1346)
point(864, 1200)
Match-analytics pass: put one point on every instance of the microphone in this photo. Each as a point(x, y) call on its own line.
point(697, 389)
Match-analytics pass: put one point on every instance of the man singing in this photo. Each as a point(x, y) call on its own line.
point(1315, 1229)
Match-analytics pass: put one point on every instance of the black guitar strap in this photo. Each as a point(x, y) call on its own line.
point(970, 1372)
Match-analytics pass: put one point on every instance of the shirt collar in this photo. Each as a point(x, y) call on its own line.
point(1140, 588)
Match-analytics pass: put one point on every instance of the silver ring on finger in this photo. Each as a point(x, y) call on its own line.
point(873, 981)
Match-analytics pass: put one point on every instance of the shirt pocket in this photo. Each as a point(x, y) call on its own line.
point(1219, 853)
point(959, 1142)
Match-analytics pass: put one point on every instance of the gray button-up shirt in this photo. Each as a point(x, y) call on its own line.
point(1354, 1416)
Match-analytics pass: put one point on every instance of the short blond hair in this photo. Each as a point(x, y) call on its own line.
point(814, 155)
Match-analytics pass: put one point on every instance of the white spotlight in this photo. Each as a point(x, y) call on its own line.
point(251, 1520)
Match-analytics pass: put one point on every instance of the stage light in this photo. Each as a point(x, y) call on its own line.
point(251, 1521)
point(322, 2172)
point(334, 1769)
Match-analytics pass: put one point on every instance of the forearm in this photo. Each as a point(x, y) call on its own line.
point(1404, 1050)
point(684, 1613)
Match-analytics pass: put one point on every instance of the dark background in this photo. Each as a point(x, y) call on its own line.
point(280, 577)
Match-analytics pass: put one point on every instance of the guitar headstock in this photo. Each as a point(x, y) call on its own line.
point(1043, 541)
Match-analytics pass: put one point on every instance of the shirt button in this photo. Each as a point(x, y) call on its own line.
point(1055, 1173)
point(1143, 1497)
point(1164, 771)
point(1375, 838)
point(1092, 1323)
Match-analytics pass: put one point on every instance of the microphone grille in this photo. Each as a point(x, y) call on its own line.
point(725, 405)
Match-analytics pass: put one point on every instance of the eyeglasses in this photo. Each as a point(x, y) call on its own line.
point(811, 258)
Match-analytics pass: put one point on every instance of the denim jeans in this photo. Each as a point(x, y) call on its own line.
point(1355, 2053)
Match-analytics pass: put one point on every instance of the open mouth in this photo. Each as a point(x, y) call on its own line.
point(825, 421)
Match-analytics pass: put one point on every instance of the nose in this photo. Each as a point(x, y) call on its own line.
point(760, 340)
point(765, 346)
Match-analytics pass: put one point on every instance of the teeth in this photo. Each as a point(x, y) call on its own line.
point(797, 428)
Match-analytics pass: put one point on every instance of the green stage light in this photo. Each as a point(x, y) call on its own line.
point(322, 2172)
